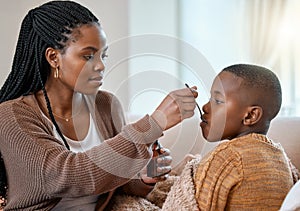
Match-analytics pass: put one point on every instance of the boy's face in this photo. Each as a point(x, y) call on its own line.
point(226, 109)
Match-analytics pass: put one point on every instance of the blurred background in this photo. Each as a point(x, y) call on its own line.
point(157, 46)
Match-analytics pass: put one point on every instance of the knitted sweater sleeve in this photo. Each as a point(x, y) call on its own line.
point(217, 174)
point(39, 164)
point(134, 186)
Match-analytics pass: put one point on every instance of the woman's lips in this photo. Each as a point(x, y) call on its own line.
point(97, 80)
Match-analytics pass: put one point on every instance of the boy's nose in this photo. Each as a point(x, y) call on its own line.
point(205, 107)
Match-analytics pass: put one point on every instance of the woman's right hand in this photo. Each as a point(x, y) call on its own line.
point(175, 107)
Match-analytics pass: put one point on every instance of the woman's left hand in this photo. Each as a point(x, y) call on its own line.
point(163, 167)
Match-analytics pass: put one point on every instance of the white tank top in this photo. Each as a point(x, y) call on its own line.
point(87, 202)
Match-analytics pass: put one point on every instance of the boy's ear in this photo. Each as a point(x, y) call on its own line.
point(253, 115)
point(51, 55)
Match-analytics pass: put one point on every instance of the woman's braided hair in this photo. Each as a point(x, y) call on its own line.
point(49, 25)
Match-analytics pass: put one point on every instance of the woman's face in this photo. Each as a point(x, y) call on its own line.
point(82, 63)
point(226, 108)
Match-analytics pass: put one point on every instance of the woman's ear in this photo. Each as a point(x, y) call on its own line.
point(253, 115)
point(51, 55)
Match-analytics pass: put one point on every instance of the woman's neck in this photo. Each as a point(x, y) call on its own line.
point(63, 105)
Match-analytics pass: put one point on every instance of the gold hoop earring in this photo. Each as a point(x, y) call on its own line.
point(56, 72)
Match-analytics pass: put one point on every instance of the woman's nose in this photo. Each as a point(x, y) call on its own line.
point(100, 65)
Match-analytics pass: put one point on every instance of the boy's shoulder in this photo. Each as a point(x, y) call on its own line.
point(235, 148)
point(249, 139)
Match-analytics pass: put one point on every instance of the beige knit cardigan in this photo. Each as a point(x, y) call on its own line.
point(41, 170)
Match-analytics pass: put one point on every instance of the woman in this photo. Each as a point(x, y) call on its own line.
point(64, 143)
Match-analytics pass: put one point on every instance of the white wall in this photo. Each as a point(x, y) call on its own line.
point(153, 29)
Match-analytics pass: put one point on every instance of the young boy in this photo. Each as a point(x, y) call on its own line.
point(248, 171)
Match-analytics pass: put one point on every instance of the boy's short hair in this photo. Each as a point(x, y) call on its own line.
point(264, 81)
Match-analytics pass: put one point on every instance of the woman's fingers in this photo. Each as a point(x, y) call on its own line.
point(164, 170)
point(176, 106)
point(164, 161)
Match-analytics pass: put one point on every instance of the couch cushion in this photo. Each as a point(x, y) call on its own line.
point(286, 131)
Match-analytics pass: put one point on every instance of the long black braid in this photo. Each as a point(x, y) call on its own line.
point(49, 25)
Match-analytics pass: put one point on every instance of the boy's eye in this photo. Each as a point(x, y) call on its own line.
point(219, 101)
point(216, 100)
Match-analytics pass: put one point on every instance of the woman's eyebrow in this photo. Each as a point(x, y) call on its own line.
point(93, 48)
point(90, 48)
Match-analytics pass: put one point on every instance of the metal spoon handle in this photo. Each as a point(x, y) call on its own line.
point(196, 102)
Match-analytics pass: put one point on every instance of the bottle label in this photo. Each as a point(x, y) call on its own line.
point(153, 165)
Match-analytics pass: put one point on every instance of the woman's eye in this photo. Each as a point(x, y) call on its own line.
point(92, 56)
point(89, 57)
